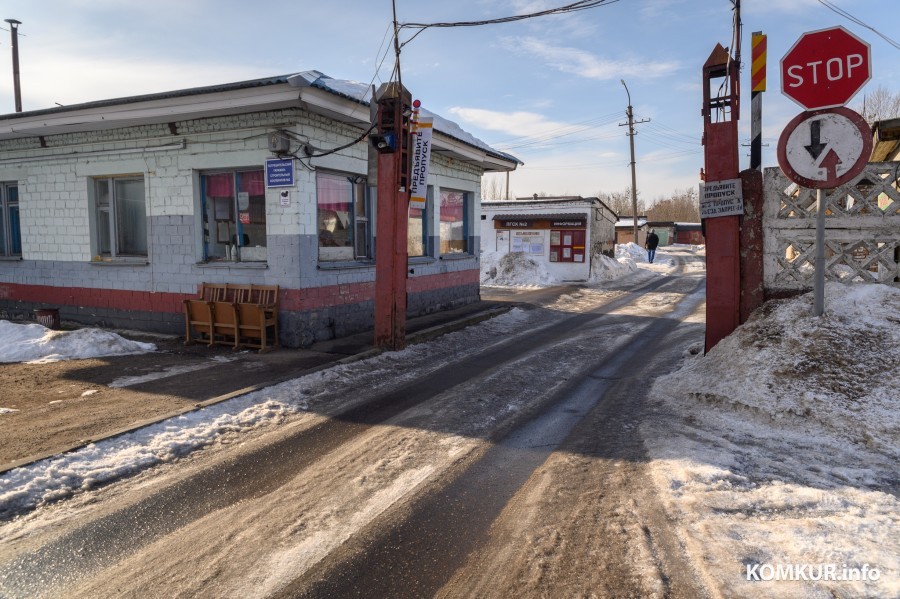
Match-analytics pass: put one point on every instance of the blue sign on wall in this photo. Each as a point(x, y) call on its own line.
point(280, 172)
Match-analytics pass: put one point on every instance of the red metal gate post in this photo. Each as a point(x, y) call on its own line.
point(392, 142)
point(720, 139)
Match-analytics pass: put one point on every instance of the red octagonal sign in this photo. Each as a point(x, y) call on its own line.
point(825, 68)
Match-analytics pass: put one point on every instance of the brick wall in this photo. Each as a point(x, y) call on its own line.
point(319, 301)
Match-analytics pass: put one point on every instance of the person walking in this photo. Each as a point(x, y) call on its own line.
point(651, 244)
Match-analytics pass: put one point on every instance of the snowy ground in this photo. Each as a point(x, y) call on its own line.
point(777, 450)
point(36, 343)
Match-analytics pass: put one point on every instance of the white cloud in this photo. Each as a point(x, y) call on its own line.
point(87, 74)
point(588, 172)
point(784, 6)
point(520, 123)
point(585, 64)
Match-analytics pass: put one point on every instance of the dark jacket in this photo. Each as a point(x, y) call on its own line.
point(652, 241)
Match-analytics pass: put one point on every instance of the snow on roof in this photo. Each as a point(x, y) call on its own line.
point(351, 90)
point(628, 221)
point(362, 93)
point(578, 200)
point(547, 216)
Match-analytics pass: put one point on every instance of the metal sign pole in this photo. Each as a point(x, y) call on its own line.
point(819, 283)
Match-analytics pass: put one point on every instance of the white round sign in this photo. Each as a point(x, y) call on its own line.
point(824, 148)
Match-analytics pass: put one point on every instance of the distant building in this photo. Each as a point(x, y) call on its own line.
point(625, 230)
point(115, 211)
point(886, 141)
point(689, 234)
point(665, 230)
point(566, 233)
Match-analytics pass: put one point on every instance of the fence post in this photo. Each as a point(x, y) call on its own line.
point(752, 289)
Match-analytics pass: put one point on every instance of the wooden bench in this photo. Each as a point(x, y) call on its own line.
point(236, 315)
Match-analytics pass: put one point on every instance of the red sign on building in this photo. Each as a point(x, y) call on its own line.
point(825, 68)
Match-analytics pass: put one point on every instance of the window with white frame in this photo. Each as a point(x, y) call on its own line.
point(234, 215)
point(454, 221)
point(10, 230)
point(342, 214)
point(121, 216)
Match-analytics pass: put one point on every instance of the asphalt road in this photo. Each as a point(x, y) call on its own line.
point(512, 466)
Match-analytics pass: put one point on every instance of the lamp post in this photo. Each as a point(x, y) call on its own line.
point(633, 175)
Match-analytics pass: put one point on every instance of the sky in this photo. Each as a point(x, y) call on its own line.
point(766, 452)
point(547, 90)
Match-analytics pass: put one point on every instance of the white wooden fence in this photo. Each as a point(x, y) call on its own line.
point(862, 230)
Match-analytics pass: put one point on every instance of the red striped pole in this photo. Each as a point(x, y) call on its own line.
point(757, 86)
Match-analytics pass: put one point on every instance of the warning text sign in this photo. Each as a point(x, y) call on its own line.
point(721, 198)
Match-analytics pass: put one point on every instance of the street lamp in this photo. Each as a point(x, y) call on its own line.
point(633, 175)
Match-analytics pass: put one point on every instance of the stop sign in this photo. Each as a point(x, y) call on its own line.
point(825, 68)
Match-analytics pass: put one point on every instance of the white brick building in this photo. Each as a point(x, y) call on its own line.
point(115, 211)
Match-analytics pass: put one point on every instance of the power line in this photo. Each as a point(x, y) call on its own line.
point(568, 8)
point(550, 137)
point(548, 143)
point(859, 22)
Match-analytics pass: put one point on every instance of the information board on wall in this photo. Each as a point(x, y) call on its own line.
point(529, 242)
point(503, 240)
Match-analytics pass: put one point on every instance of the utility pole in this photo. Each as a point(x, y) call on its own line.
point(14, 34)
point(392, 143)
point(631, 133)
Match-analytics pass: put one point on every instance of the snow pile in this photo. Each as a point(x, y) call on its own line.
point(38, 344)
point(518, 269)
point(840, 372)
point(780, 447)
point(98, 463)
point(631, 252)
point(515, 269)
point(604, 268)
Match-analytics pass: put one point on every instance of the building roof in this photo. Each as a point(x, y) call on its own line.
point(537, 202)
point(553, 216)
point(886, 142)
point(344, 100)
point(628, 221)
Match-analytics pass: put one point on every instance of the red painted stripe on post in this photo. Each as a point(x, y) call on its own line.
point(758, 65)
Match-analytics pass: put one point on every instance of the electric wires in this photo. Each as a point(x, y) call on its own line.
point(568, 8)
point(552, 136)
point(832, 7)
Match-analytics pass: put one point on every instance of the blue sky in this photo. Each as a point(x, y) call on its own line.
point(518, 86)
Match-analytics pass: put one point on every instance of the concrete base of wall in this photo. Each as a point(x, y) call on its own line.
point(298, 328)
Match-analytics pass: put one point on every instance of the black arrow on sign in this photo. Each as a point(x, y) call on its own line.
point(815, 148)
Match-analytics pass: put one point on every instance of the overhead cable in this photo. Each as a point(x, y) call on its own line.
point(573, 7)
point(859, 22)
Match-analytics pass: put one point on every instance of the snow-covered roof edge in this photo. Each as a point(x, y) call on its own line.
point(575, 200)
point(362, 93)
